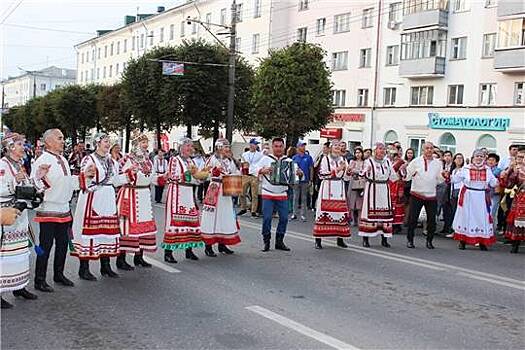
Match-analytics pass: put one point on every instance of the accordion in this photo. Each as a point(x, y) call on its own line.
point(284, 173)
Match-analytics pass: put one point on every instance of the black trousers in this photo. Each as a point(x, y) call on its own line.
point(158, 193)
point(448, 214)
point(415, 209)
point(50, 231)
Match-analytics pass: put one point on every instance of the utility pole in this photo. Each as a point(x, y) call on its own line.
point(231, 73)
point(34, 84)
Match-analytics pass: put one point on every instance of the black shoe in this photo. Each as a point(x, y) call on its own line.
point(190, 255)
point(255, 215)
point(266, 247)
point(44, 287)
point(208, 250)
point(366, 242)
point(483, 247)
point(24, 293)
point(430, 245)
point(462, 245)
point(122, 264)
point(515, 247)
point(242, 212)
point(384, 242)
point(168, 257)
point(6, 305)
point(86, 275)
point(224, 249)
point(105, 269)
point(279, 244)
point(63, 280)
point(341, 243)
point(318, 244)
point(410, 245)
point(138, 260)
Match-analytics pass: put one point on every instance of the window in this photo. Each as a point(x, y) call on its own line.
point(423, 44)
point(362, 97)
point(172, 31)
point(194, 27)
point(43, 86)
point(415, 6)
point(416, 143)
point(511, 33)
point(161, 34)
point(255, 43)
point(487, 141)
point(320, 26)
point(455, 94)
point(182, 26)
point(367, 18)
point(390, 137)
point(104, 73)
point(118, 47)
point(151, 36)
point(340, 60)
point(389, 98)
point(223, 16)
point(125, 48)
point(342, 23)
point(98, 73)
point(87, 56)
point(460, 5)
point(81, 76)
point(487, 94)
point(82, 58)
point(208, 19)
point(489, 42)
point(110, 70)
point(303, 5)
point(301, 34)
point(519, 98)
point(257, 8)
point(133, 43)
point(392, 55)
point(123, 66)
point(421, 95)
point(395, 14)
point(238, 44)
point(339, 98)
point(141, 41)
point(365, 57)
point(98, 53)
point(447, 142)
point(117, 71)
point(93, 54)
point(238, 13)
point(105, 51)
point(459, 48)
point(111, 49)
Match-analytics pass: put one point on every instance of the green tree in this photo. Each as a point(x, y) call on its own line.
point(292, 92)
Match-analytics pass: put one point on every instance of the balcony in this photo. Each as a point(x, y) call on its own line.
point(510, 60)
point(510, 8)
point(431, 67)
point(427, 18)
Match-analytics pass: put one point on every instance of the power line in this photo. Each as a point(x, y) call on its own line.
point(47, 29)
point(11, 12)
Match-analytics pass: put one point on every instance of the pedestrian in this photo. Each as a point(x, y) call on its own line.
point(357, 186)
point(273, 197)
point(305, 163)
point(473, 222)
point(332, 216)
point(182, 218)
point(377, 213)
point(506, 161)
point(250, 180)
point(137, 224)
point(54, 214)
point(457, 164)
point(219, 221)
point(425, 173)
point(96, 228)
point(316, 180)
point(14, 243)
point(160, 166)
point(443, 195)
point(513, 179)
point(367, 153)
point(397, 189)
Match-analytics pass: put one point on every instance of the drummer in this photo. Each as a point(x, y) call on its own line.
point(219, 221)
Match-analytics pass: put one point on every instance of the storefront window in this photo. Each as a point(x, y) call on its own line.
point(447, 142)
point(487, 141)
point(391, 136)
point(416, 143)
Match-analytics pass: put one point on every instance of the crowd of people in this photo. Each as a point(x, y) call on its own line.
point(377, 192)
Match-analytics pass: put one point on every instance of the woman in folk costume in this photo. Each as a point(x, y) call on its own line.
point(14, 244)
point(397, 189)
point(331, 216)
point(182, 226)
point(377, 213)
point(473, 221)
point(513, 179)
point(219, 221)
point(137, 224)
point(356, 186)
point(96, 229)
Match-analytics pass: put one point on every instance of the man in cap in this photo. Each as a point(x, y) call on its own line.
point(250, 181)
point(305, 163)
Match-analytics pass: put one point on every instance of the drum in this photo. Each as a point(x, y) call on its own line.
point(231, 185)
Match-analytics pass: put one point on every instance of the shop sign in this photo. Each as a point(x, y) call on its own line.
point(332, 133)
point(440, 121)
point(349, 117)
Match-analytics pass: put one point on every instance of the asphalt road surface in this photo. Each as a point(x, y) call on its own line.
point(334, 298)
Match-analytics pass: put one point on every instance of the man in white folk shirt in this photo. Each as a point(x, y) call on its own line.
point(250, 178)
point(160, 166)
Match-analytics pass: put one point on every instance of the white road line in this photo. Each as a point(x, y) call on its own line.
point(300, 328)
point(160, 265)
point(500, 280)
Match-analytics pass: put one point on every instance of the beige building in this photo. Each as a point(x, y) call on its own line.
point(452, 72)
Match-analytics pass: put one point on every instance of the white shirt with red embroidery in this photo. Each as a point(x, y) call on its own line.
point(270, 191)
point(425, 175)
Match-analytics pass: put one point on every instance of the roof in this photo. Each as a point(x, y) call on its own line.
point(52, 72)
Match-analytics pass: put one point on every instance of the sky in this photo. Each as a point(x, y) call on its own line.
point(35, 34)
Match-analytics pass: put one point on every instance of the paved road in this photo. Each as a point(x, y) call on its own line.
point(305, 299)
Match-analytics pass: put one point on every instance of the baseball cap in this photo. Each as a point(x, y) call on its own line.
point(254, 142)
point(301, 143)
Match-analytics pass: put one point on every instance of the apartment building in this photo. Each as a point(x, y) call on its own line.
point(451, 72)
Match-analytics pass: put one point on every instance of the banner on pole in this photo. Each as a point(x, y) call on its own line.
point(172, 68)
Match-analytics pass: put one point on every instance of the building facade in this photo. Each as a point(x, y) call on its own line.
point(451, 72)
point(18, 90)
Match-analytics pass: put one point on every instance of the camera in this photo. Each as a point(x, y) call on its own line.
point(27, 197)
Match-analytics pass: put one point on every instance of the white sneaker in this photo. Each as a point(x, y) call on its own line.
point(303, 218)
point(450, 235)
point(293, 217)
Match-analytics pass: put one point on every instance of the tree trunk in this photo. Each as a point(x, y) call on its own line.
point(215, 132)
point(159, 146)
point(128, 135)
point(188, 130)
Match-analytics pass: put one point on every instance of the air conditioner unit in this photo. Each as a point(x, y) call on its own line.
point(393, 24)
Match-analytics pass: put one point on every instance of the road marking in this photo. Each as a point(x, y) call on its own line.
point(160, 265)
point(300, 328)
point(479, 275)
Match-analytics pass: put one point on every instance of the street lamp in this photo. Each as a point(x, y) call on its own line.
point(33, 73)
